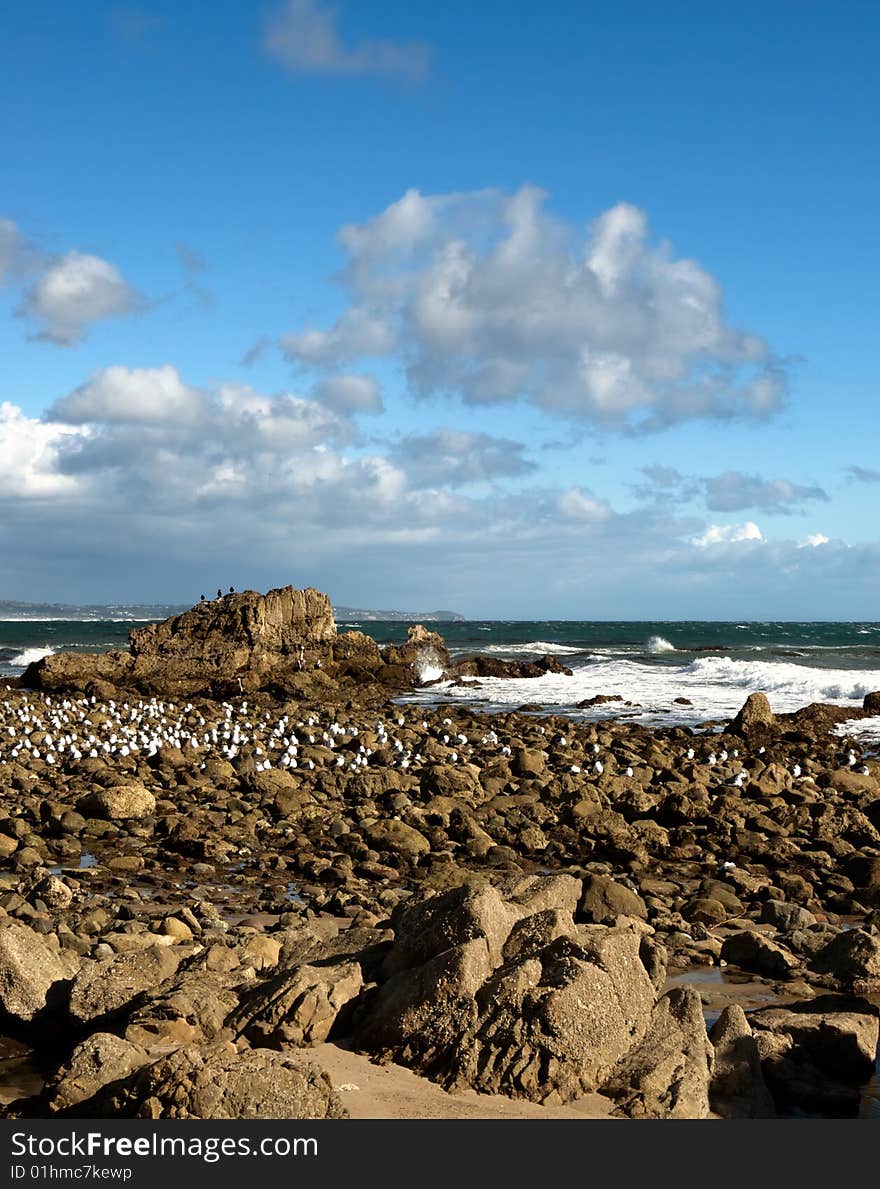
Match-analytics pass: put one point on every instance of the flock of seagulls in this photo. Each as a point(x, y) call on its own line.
point(64, 731)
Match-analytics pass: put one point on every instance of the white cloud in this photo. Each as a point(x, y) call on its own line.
point(75, 291)
point(725, 534)
point(487, 296)
point(577, 504)
point(814, 540)
point(357, 333)
point(29, 456)
point(347, 392)
point(302, 35)
point(132, 396)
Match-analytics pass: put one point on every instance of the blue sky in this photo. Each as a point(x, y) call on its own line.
point(560, 310)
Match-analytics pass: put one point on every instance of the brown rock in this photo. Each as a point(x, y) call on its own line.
point(667, 1075)
point(219, 1083)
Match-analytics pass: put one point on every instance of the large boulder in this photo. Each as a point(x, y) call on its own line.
point(217, 1082)
point(122, 802)
point(239, 627)
point(297, 1007)
point(737, 1089)
point(604, 900)
point(430, 927)
point(99, 1060)
point(240, 642)
point(755, 715)
point(33, 974)
point(424, 654)
point(105, 988)
point(487, 994)
point(420, 1015)
point(852, 960)
point(667, 1075)
point(550, 1026)
point(839, 1033)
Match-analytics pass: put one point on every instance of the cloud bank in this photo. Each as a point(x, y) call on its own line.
point(487, 296)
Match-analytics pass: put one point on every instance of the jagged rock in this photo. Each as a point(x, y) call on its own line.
point(423, 652)
point(297, 1007)
point(33, 974)
point(550, 1027)
point(754, 715)
point(430, 927)
point(217, 1082)
point(871, 703)
point(241, 628)
point(737, 1089)
point(667, 1075)
point(563, 1004)
point(100, 1059)
point(421, 1013)
point(104, 988)
point(492, 666)
point(536, 892)
point(190, 1008)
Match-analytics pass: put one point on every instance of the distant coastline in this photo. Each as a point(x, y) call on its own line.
point(140, 612)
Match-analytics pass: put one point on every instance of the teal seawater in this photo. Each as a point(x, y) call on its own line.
point(849, 646)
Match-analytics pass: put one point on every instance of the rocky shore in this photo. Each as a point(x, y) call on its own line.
point(230, 848)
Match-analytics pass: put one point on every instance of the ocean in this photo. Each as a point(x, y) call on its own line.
point(710, 667)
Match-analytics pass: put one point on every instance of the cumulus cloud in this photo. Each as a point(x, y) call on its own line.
point(132, 396)
point(455, 457)
point(72, 293)
point(727, 534)
point(579, 505)
point(30, 456)
point(348, 392)
point(488, 296)
point(814, 540)
point(303, 37)
point(133, 499)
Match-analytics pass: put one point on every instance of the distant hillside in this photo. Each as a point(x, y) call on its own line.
point(359, 615)
point(138, 612)
point(88, 611)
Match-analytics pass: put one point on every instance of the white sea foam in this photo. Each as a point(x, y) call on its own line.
point(538, 647)
point(867, 730)
point(658, 644)
point(716, 687)
point(29, 656)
